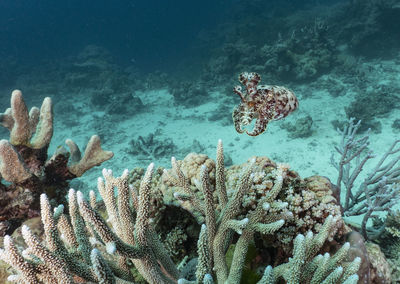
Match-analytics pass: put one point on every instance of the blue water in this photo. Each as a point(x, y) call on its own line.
point(155, 79)
point(152, 34)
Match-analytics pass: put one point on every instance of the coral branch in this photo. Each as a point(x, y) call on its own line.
point(25, 165)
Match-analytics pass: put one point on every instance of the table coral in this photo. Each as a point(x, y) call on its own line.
point(263, 103)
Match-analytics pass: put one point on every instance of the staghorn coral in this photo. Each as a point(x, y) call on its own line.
point(73, 258)
point(379, 190)
point(220, 225)
point(308, 200)
point(157, 205)
point(190, 166)
point(262, 185)
point(25, 165)
point(167, 217)
point(86, 247)
point(305, 267)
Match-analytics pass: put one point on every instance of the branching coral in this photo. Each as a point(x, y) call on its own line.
point(75, 254)
point(83, 247)
point(305, 267)
point(379, 190)
point(220, 225)
point(308, 201)
point(24, 163)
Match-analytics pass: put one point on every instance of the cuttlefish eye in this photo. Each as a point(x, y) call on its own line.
point(251, 104)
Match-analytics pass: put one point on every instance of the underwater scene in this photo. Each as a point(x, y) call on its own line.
point(214, 141)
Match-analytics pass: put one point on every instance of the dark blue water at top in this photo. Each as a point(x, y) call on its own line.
point(150, 34)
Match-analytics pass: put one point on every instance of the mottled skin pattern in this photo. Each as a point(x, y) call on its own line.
point(264, 103)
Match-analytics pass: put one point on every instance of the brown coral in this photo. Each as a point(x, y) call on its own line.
point(24, 162)
point(308, 200)
point(190, 165)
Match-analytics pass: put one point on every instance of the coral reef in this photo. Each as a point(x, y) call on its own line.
point(151, 148)
point(370, 104)
point(82, 247)
point(304, 54)
point(302, 128)
point(361, 24)
point(297, 47)
point(303, 267)
point(379, 190)
point(308, 202)
point(389, 240)
point(202, 220)
point(25, 166)
point(188, 93)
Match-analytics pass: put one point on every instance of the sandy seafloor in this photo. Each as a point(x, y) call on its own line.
point(308, 156)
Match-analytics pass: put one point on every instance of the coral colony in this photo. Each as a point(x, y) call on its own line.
point(24, 162)
point(181, 209)
point(197, 222)
point(231, 208)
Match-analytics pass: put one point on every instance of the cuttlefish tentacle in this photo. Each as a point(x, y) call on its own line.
point(238, 90)
point(259, 127)
point(236, 119)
